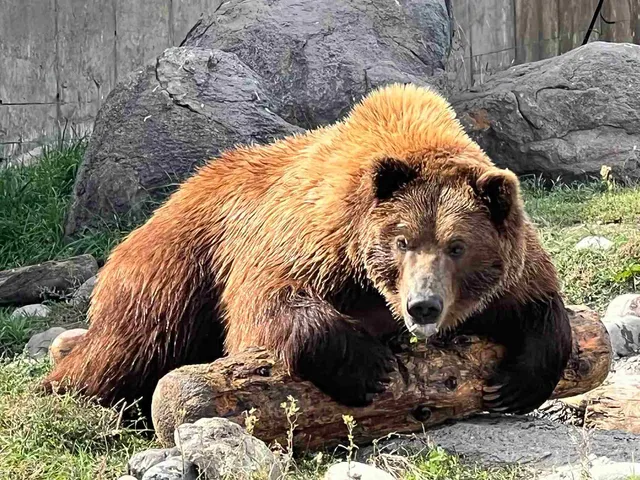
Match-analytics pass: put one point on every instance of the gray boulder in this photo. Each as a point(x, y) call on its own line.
point(31, 284)
point(33, 310)
point(624, 333)
point(565, 117)
point(622, 320)
point(317, 58)
point(83, 294)
point(160, 124)
point(38, 345)
point(622, 305)
point(290, 65)
point(222, 449)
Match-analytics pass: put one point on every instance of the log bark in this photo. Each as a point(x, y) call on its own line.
point(614, 405)
point(432, 385)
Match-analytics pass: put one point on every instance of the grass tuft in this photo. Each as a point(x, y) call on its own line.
point(34, 200)
point(57, 437)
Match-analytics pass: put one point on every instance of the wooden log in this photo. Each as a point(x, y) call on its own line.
point(614, 405)
point(34, 283)
point(431, 385)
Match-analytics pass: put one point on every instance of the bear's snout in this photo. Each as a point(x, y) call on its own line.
point(425, 308)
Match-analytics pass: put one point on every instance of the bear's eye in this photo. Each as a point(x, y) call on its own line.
point(456, 249)
point(402, 244)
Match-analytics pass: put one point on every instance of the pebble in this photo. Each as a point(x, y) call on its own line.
point(173, 468)
point(600, 469)
point(624, 333)
point(623, 305)
point(355, 471)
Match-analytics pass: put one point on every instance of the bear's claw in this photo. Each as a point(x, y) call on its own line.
point(515, 392)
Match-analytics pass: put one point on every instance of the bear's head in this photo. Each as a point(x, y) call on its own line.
point(444, 237)
point(443, 231)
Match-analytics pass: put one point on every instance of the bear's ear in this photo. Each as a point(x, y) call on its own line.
point(391, 175)
point(499, 190)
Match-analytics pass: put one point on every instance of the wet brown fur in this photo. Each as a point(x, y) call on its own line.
point(214, 270)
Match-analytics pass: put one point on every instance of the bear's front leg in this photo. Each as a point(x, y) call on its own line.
point(537, 336)
point(329, 349)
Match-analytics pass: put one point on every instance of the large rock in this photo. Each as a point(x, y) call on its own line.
point(316, 58)
point(82, 295)
point(624, 333)
point(622, 320)
point(565, 116)
point(26, 285)
point(160, 124)
point(622, 305)
point(298, 64)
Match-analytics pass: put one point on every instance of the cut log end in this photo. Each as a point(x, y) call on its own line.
point(430, 386)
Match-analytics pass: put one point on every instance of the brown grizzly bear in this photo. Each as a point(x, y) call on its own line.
point(314, 244)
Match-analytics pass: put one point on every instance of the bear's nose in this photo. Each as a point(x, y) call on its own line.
point(425, 309)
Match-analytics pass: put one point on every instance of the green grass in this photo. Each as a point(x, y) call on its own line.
point(431, 464)
point(33, 203)
point(57, 437)
point(68, 437)
point(565, 215)
point(437, 464)
point(15, 332)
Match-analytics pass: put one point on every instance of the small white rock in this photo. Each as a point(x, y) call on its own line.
point(622, 305)
point(601, 469)
point(355, 471)
point(38, 345)
point(594, 243)
point(35, 310)
point(624, 334)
